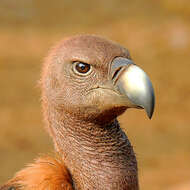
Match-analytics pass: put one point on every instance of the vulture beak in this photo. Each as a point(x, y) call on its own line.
point(132, 82)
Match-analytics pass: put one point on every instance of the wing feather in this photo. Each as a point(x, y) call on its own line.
point(46, 173)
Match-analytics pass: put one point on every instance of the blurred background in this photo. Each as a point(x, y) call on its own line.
point(157, 33)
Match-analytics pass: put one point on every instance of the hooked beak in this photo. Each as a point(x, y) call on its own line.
point(132, 82)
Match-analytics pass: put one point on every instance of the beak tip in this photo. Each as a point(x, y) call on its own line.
point(150, 109)
point(150, 114)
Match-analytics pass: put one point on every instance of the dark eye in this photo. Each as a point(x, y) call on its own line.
point(81, 68)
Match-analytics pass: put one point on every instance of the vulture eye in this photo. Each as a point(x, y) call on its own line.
point(81, 68)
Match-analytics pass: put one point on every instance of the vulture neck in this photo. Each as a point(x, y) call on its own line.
point(97, 157)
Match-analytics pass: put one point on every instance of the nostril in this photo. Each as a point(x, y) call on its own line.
point(116, 73)
point(118, 65)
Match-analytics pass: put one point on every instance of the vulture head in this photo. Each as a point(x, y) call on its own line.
point(95, 80)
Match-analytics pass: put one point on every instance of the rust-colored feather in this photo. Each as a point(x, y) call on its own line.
point(44, 174)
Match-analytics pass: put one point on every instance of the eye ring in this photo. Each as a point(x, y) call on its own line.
point(81, 68)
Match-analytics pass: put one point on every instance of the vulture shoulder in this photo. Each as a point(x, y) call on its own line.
point(46, 173)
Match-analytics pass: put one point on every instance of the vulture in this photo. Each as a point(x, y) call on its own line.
point(87, 82)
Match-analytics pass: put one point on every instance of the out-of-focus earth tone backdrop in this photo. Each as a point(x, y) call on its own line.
point(157, 33)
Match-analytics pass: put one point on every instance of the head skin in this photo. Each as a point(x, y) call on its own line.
point(78, 95)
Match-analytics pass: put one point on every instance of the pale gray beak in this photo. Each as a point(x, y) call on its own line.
point(133, 82)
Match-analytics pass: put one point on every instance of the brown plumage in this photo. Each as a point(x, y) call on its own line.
point(81, 97)
point(44, 173)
